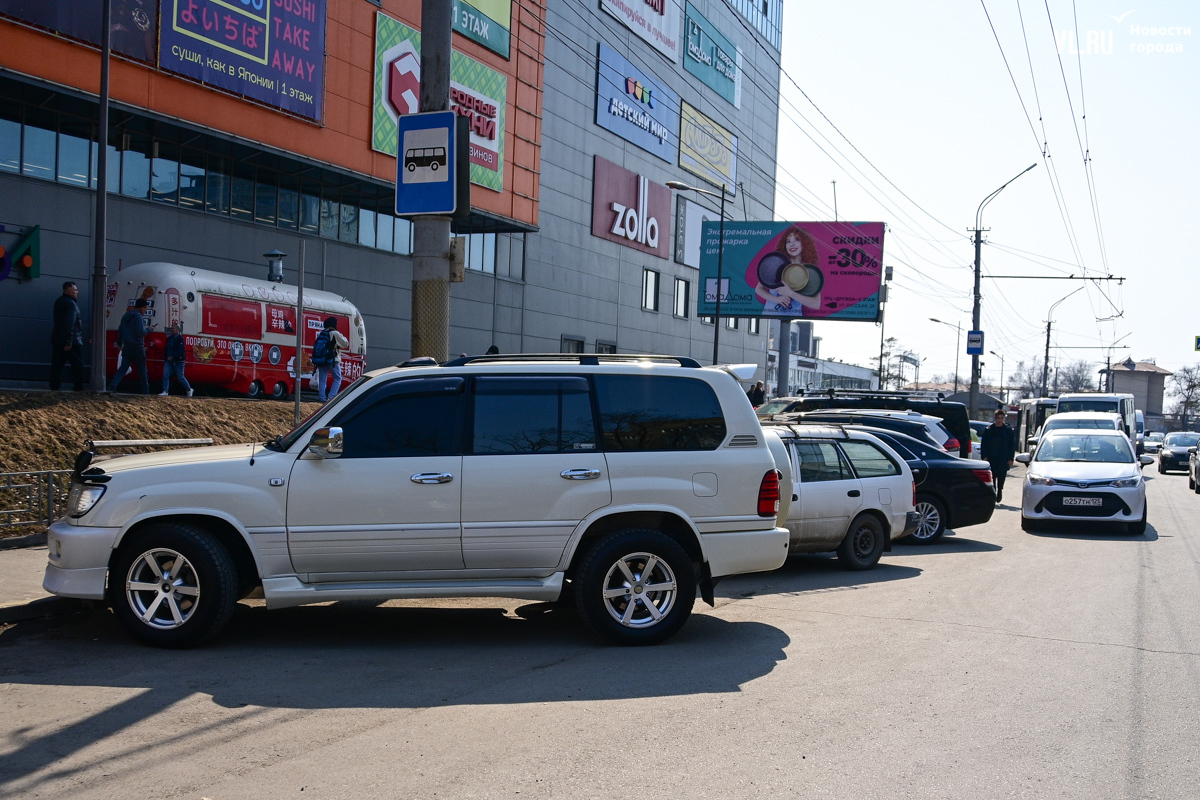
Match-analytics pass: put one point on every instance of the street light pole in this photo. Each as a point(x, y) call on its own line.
point(957, 347)
point(1003, 394)
point(1046, 360)
point(99, 268)
point(680, 186)
point(973, 404)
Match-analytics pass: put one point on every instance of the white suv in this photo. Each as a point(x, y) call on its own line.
point(851, 493)
point(635, 480)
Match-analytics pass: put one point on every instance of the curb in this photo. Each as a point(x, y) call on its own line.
point(37, 609)
point(15, 542)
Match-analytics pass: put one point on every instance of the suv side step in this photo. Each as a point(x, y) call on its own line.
point(291, 591)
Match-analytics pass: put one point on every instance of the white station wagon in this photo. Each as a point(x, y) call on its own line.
point(630, 481)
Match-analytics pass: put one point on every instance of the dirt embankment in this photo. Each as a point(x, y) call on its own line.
point(46, 430)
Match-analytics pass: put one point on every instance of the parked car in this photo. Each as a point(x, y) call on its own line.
point(1174, 451)
point(919, 426)
point(1154, 441)
point(951, 492)
point(625, 480)
point(1084, 477)
point(850, 494)
point(1081, 420)
point(952, 414)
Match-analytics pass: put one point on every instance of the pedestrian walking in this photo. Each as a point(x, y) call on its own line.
point(131, 335)
point(66, 338)
point(757, 394)
point(998, 447)
point(173, 361)
point(327, 358)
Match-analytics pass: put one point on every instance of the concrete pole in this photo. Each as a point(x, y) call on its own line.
point(431, 234)
point(99, 270)
point(973, 397)
point(299, 334)
point(785, 357)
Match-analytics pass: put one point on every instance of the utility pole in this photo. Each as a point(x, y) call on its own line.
point(431, 233)
point(99, 269)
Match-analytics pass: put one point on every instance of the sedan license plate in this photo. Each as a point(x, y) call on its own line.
point(1083, 501)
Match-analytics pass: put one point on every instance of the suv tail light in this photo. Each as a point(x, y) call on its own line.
point(914, 494)
point(952, 445)
point(768, 494)
point(984, 475)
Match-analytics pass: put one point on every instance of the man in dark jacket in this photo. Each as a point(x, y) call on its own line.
point(66, 338)
point(174, 360)
point(998, 447)
point(757, 394)
point(131, 334)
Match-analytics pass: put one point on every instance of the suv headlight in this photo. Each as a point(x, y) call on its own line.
point(1039, 480)
point(82, 498)
point(1127, 483)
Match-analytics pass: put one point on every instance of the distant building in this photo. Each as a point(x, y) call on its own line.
point(1145, 380)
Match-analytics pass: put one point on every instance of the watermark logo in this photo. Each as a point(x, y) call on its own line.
point(1143, 39)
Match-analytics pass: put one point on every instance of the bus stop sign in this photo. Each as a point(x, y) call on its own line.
point(974, 343)
point(425, 163)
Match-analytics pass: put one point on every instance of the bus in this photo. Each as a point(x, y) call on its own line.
point(432, 157)
point(1119, 404)
point(1031, 416)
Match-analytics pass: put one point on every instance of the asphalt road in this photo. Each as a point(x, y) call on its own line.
point(994, 664)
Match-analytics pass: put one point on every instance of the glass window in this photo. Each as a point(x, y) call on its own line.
point(516, 257)
point(489, 253)
point(38, 158)
point(606, 347)
point(731, 323)
point(415, 417)
point(289, 205)
point(384, 225)
point(266, 197)
point(164, 172)
point(654, 412)
point(753, 325)
point(348, 224)
point(366, 227)
point(868, 460)
point(707, 320)
point(649, 290)
point(241, 203)
point(330, 212)
point(570, 345)
point(475, 252)
point(10, 137)
point(135, 168)
point(683, 291)
point(532, 415)
point(819, 461)
point(403, 242)
point(191, 179)
point(217, 186)
point(310, 211)
point(74, 150)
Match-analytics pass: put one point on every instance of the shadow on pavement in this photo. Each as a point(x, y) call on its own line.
point(357, 655)
point(949, 543)
point(811, 573)
point(1113, 532)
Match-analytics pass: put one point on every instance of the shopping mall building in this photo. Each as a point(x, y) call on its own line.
point(240, 127)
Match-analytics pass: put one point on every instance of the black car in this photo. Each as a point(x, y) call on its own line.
point(950, 491)
point(1174, 452)
point(953, 415)
point(916, 430)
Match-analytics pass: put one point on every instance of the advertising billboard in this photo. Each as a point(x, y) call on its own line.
point(476, 92)
point(690, 217)
point(711, 57)
point(707, 150)
point(487, 22)
point(815, 270)
point(134, 22)
point(656, 21)
point(634, 106)
point(630, 210)
point(272, 52)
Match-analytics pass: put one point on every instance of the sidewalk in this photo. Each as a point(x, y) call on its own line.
point(21, 593)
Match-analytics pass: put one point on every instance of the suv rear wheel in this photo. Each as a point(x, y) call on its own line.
point(173, 585)
point(863, 544)
point(636, 587)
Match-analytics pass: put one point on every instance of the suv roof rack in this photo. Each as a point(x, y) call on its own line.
point(869, 394)
point(584, 359)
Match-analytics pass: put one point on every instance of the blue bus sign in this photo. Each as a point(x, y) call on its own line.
point(425, 163)
point(974, 343)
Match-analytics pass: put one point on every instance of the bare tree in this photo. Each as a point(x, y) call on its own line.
point(1077, 377)
point(888, 371)
point(1027, 378)
point(1185, 385)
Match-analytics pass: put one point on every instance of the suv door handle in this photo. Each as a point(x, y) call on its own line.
point(580, 474)
point(432, 477)
point(853, 493)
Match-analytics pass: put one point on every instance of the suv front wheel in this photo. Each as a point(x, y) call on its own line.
point(173, 585)
point(636, 587)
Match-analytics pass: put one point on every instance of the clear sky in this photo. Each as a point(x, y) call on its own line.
point(922, 90)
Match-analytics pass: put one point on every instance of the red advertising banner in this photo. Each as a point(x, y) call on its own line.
point(630, 210)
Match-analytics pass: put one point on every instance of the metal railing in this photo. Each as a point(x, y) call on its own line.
point(33, 498)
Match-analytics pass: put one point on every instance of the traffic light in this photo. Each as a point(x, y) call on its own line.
point(25, 256)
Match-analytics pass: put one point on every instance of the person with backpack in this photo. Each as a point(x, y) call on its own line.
point(131, 335)
point(327, 358)
point(174, 360)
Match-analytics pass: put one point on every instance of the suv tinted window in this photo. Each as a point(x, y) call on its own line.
point(648, 412)
point(819, 461)
point(416, 417)
point(532, 415)
point(868, 460)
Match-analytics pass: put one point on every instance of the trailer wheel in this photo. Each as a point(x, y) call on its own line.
point(280, 392)
point(255, 390)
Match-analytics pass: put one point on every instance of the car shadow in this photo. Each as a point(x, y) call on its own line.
point(1114, 533)
point(949, 543)
point(359, 655)
point(817, 572)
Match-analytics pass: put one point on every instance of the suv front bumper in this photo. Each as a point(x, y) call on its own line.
point(78, 560)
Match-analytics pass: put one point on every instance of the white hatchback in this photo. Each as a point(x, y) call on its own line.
point(1084, 476)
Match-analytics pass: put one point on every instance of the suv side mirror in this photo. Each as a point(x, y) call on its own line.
point(1023, 458)
point(1144, 460)
point(326, 443)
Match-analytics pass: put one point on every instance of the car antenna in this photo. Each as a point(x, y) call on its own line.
point(252, 446)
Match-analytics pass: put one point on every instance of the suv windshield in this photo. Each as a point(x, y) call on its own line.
point(1182, 440)
point(1085, 447)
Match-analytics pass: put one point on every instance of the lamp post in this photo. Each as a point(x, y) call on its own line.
point(1108, 361)
point(957, 341)
point(99, 267)
point(680, 186)
point(1003, 394)
point(1046, 361)
point(973, 403)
